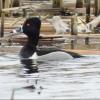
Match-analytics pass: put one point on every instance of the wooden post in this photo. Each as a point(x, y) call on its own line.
point(57, 3)
point(87, 41)
point(24, 13)
point(79, 3)
point(1, 5)
point(2, 24)
point(74, 31)
point(74, 23)
point(97, 7)
point(88, 6)
point(2, 20)
point(16, 3)
point(7, 3)
point(72, 44)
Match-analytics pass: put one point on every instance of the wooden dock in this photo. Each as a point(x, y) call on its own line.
point(50, 40)
point(44, 39)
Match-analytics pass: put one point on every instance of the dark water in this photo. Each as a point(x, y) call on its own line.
point(66, 79)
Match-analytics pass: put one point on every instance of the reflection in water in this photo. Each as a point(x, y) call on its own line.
point(30, 66)
point(14, 81)
point(67, 79)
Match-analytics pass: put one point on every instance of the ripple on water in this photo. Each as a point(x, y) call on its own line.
point(67, 79)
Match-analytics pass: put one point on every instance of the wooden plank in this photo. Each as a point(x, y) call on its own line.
point(42, 36)
point(28, 6)
point(15, 8)
point(44, 39)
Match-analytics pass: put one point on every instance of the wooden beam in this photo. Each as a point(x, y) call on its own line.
point(34, 7)
point(14, 8)
point(2, 24)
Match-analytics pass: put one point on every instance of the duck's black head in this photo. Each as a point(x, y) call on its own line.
point(31, 28)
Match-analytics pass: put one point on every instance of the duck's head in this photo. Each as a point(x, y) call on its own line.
point(31, 28)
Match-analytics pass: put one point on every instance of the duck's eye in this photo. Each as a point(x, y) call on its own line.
point(28, 24)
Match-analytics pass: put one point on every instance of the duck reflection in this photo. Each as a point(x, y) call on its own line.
point(30, 66)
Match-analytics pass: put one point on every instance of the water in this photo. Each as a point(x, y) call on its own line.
point(67, 79)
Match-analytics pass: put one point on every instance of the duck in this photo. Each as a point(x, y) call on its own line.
point(31, 28)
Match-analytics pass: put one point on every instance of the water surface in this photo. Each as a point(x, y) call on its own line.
point(66, 79)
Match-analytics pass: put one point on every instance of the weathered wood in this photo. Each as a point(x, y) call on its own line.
point(16, 3)
point(57, 3)
point(0, 15)
point(79, 3)
point(72, 44)
point(88, 6)
point(22, 39)
point(74, 23)
point(7, 3)
point(1, 5)
point(87, 41)
point(97, 7)
point(14, 8)
point(2, 25)
point(53, 39)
